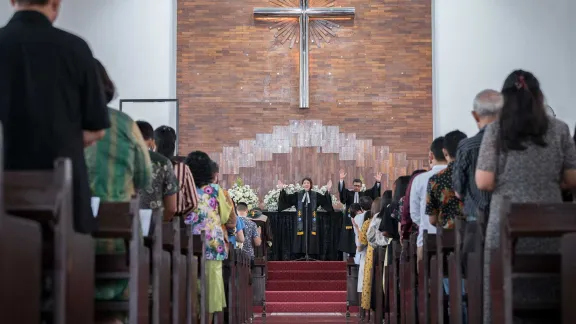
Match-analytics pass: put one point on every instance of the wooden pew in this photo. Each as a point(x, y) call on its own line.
point(455, 276)
point(351, 285)
point(46, 197)
point(445, 243)
point(171, 243)
point(250, 289)
point(259, 282)
point(393, 280)
point(411, 300)
point(568, 276)
point(232, 300)
point(199, 250)
point(527, 220)
point(404, 277)
point(475, 277)
point(191, 303)
point(122, 220)
point(424, 273)
point(379, 257)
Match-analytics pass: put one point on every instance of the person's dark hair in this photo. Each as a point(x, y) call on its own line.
point(401, 186)
point(32, 2)
point(436, 148)
point(214, 166)
point(451, 141)
point(310, 180)
point(355, 208)
point(386, 198)
point(415, 172)
point(357, 180)
point(179, 159)
point(107, 84)
point(523, 117)
point(241, 207)
point(165, 138)
point(146, 130)
point(366, 203)
point(200, 165)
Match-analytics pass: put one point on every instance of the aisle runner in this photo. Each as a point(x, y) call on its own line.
point(306, 287)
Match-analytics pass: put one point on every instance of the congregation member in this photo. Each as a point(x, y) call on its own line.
point(230, 226)
point(418, 193)
point(266, 235)
point(210, 214)
point(443, 207)
point(237, 237)
point(367, 302)
point(251, 232)
point(348, 197)
point(52, 103)
point(163, 190)
point(525, 156)
point(486, 107)
point(407, 226)
point(118, 166)
point(360, 258)
point(187, 198)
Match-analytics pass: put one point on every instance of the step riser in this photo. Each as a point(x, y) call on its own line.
point(306, 275)
point(305, 307)
point(305, 296)
point(309, 286)
point(353, 310)
point(298, 266)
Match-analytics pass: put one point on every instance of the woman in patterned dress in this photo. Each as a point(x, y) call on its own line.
point(211, 212)
point(525, 156)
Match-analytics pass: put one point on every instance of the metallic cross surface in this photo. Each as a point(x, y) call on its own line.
point(286, 9)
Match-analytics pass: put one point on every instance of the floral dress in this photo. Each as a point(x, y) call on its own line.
point(164, 183)
point(212, 211)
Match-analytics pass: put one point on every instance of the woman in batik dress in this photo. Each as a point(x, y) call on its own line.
point(369, 263)
point(211, 212)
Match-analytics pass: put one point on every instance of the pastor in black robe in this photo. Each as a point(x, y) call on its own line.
point(305, 222)
point(347, 242)
point(50, 92)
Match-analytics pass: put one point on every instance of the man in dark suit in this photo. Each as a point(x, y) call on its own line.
point(348, 197)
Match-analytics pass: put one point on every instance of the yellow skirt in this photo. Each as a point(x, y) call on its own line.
point(216, 294)
point(367, 281)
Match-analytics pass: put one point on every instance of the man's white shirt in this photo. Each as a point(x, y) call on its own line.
point(418, 202)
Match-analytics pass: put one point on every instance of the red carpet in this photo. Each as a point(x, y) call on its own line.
point(306, 287)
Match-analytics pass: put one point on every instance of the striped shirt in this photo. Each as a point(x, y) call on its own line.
point(187, 198)
point(118, 164)
point(464, 174)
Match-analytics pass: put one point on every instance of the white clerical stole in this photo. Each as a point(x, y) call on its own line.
point(306, 198)
point(356, 198)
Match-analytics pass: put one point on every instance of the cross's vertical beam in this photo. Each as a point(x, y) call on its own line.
point(304, 67)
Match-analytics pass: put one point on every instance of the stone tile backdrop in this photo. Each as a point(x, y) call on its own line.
point(237, 87)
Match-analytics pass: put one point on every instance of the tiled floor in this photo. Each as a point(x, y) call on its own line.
point(305, 318)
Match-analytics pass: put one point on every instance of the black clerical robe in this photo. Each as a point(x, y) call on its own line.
point(305, 222)
point(50, 91)
point(347, 242)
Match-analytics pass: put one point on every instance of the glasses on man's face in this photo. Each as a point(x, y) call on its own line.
point(357, 185)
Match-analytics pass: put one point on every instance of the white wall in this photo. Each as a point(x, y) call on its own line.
point(136, 42)
point(477, 43)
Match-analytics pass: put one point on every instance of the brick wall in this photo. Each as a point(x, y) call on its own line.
point(374, 79)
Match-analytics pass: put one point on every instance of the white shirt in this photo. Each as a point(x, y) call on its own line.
point(359, 220)
point(418, 202)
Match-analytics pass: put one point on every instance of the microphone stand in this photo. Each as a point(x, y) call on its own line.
point(306, 256)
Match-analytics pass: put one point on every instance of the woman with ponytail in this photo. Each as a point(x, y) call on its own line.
point(525, 156)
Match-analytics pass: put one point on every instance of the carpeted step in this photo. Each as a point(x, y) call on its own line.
point(305, 296)
point(311, 275)
point(301, 307)
point(303, 285)
point(353, 310)
point(306, 265)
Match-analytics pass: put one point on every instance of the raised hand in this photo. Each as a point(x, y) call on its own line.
point(342, 174)
point(378, 176)
point(329, 185)
point(280, 185)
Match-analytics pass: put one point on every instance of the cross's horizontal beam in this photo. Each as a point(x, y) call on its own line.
point(277, 12)
point(346, 12)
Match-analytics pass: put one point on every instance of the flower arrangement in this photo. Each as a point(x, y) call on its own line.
point(271, 198)
point(241, 193)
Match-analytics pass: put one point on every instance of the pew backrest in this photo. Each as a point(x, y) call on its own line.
point(538, 220)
